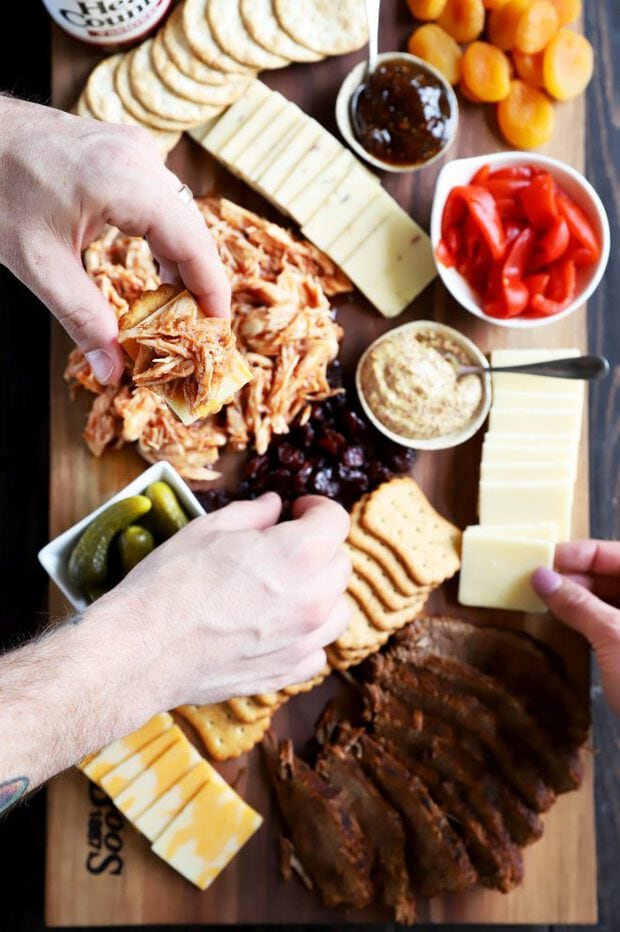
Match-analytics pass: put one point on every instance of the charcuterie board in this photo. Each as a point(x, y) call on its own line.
point(100, 871)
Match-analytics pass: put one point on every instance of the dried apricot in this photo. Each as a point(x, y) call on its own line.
point(568, 10)
point(526, 117)
point(465, 92)
point(486, 72)
point(530, 68)
point(503, 22)
point(568, 64)
point(493, 4)
point(536, 26)
point(463, 19)
point(433, 44)
point(426, 9)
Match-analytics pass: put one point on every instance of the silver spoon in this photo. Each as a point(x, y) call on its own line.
point(586, 368)
point(372, 18)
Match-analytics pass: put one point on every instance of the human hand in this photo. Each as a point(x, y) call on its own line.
point(63, 179)
point(233, 604)
point(585, 594)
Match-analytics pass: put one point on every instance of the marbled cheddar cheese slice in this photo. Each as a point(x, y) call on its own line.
point(98, 765)
point(160, 814)
point(207, 834)
point(163, 773)
point(120, 777)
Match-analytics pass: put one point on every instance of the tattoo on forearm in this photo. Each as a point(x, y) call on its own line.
point(12, 791)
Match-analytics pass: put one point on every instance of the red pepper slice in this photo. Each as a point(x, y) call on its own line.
point(579, 225)
point(553, 244)
point(514, 171)
point(560, 290)
point(454, 212)
point(537, 283)
point(506, 187)
point(539, 201)
point(444, 254)
point(514, 290)
point(483, 209)
point(482, 176)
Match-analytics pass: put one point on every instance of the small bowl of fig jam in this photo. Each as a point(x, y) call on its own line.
point(401, 117)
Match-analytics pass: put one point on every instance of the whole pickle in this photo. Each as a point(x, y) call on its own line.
point(167, 516)
point(134, 544)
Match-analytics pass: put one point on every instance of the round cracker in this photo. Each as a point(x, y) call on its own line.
point(156, 97)
point(262, 24)
point(180, 52)
point(81, 108)
point(331, 27)
point(200, 39)
point(229, 32)
point(135, 107)
point(218, 95)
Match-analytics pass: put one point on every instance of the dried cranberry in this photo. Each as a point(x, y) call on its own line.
point(354, 457)
point(290, 456)
point(281, 481)
point(332, 441)
point(378, 472)
point(307, 435)
point(357, 428)
point(255, 465)
point(324, 484)
point(398, 458)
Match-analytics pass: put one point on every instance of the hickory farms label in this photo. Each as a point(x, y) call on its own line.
point(107, 22)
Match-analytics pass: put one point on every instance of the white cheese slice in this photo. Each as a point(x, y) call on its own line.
point(278, 170)
point(252, 131)
point(534, 442)
point(207, 833)
point(296, 120)
point(393, 265)
point(277, 132)
point(218, 134)
point(311, 198)
point(532, 471)
point(554, 422)
point(523, 456)
point(97, 765)
point(538, 401)
point(496, 571)
point(347, 203)
point(115, 781)
point(537, 531)
point(158, 816)
point(317, 158)
point(515, 382)
point(523, 502)
point(163, 773)
point(361, 228)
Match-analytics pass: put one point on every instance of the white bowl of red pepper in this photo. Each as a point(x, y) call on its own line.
point(520, 240)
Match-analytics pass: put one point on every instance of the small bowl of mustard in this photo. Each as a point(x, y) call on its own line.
point(401, 117)
point(410, 389)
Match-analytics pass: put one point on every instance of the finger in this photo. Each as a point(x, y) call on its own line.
point(337, 622)
point(322, 517)
point(577, 607)
point(329, 586)
point(59, 280)
point(258, 514)
point(596, 557)
point(308, 669)
point(606, 588)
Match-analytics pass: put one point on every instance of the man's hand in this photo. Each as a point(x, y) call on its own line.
point(585, 594)
point(63, 179)
point(231, 605)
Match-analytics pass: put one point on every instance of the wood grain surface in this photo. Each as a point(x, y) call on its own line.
point(24, 463)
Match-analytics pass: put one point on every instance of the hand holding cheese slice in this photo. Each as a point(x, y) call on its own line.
point(191, 360)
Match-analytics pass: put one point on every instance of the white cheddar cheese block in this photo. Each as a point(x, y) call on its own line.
point(277, 171)
point(252, 131)
point(225, 127)
point(496, 571)
point(115, 781)
point(264, 147)
point(158, 816)
point(296, 120)
point(510, 471)
point(347, 202)
point(361, 228)
point(554, 422)
point(207, 833)
point(516, 382)
point(507, 456)
point(537, 531)
point(535, 400)
point(394, 264)
point(524, 502)
point(98, 765)
point(317, 158)
point(310, 199)
point(163, 773)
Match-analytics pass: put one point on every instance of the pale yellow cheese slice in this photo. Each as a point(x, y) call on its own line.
point(207, 833)
point(346, 203)
point(535, 400)
point(281, 167)
point(554, 422)
point(374, 214)
point(298, 121)
point(515, 472)
point(163, 773)
point(115, 781)
point(496, 570)
point(160, 814)
point(230, 384)
point(277, 134)
point(252, 129)
point(219, 132)
point(523, 502)
point(516, 382)
point(537, 531)
point(310, 198)
point(317, 158)
point(96, 766)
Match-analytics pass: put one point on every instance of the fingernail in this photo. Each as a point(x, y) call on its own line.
point(545, 582)
point(101, 364)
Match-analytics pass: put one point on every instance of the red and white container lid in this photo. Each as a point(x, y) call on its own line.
point(108, 22)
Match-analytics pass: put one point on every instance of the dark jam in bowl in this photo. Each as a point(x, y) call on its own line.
point(403, 115)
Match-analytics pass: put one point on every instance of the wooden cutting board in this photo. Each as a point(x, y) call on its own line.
point(100, 871)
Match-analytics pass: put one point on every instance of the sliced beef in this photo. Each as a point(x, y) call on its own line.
point(438, 744)
point(424, 690)
point(561, 767)
point(526, 666)
point(438, 859)
point(326, 836)
point(380, 823)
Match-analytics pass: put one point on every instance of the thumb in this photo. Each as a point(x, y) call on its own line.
point(255, 515)
point(60, 281)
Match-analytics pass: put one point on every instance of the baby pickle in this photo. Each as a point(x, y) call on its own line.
point(134, 544)
point(167, 515)
point(88, 563)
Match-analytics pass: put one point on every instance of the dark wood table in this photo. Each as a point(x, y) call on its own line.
point(24, 461)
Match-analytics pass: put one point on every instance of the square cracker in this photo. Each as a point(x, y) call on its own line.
point(380, 617)
point(360, 633)
point(248, 711)
point(340, 662)
point(297, 688)
point(386, 558)
point(367, 568)
point(400, 515)
point(223, 736)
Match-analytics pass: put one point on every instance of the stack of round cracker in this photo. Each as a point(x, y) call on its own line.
point(205, 54)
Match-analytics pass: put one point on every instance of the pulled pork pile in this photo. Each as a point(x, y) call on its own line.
point(468, 734)
point(283, 324)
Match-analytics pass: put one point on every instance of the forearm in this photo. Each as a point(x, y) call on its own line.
point(64, 695)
